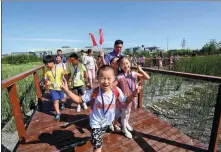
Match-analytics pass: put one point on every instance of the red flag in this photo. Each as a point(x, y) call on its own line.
point(93, 39)
point(101, 36)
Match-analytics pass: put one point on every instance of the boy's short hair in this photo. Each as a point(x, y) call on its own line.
point(59, 50)
point(104, 68)
point(48, 59)
point(89, 51)
point(118, 42)
point(74, 55)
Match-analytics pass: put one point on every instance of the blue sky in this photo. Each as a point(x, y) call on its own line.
point(28, 25)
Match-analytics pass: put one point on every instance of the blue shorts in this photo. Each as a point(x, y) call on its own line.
point(56, 95)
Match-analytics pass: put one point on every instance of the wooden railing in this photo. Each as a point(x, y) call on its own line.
point(216, 126)
point(14, 100)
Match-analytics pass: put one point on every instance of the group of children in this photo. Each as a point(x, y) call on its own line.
point(107, 101)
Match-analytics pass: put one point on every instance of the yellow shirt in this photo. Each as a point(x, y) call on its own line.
point(77, 79)
point(50, 76)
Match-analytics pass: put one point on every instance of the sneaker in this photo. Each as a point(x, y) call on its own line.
point(62, 106)
point(111, 127)
point(127, 134)
point(78, 108)
point(129, 127)
point(57, 117)
point(84, 106)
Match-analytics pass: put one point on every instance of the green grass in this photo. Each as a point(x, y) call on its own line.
point(187, 102)
point(25, 88)
point(208, 65)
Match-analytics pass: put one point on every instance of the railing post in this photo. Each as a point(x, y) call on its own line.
point(215, 132)
point(140, 96)
point(37, 86)
point(46, 86)
point(16, 110)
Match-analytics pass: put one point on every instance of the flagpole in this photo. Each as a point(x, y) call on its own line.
point(98, 48)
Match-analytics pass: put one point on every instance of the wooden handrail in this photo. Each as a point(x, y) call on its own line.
point(12, 80)
point(184, 74)
point(10, 84)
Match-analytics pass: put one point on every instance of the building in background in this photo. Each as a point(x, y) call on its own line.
point(143, 48)
point(67, 50)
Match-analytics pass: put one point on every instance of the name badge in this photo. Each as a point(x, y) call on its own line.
point(55, 85)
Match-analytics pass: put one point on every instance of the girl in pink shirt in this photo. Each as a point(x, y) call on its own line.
point(126, 81)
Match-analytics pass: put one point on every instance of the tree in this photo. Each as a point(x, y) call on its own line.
point(211, 47)
point(127, 52)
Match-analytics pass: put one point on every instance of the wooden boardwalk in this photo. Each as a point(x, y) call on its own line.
point(72, 133)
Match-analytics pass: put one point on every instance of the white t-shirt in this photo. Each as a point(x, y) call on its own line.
point(97, 117)
point(89, 62)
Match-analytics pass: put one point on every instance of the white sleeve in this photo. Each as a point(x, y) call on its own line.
point(87, 96)
point(122, 97)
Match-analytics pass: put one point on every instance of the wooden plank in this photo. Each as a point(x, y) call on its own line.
point(151, 134)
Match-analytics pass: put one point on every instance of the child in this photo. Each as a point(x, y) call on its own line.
point(99, 61)
point(103, 106)
point(91, 66)
point(53, 79)
point(58, 63)
point(126, 81)
point(114, 64)
point(160, 62)
point(76, 75)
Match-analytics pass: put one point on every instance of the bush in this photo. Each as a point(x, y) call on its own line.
point(20, 59)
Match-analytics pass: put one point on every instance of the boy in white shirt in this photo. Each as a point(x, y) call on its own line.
point(103, 103)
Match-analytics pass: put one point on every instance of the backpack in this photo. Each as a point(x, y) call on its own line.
point(95, 94)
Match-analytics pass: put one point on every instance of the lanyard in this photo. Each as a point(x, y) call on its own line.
point(130, 86)
point(75, 72)
point(103, 101)
point(55, 73)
